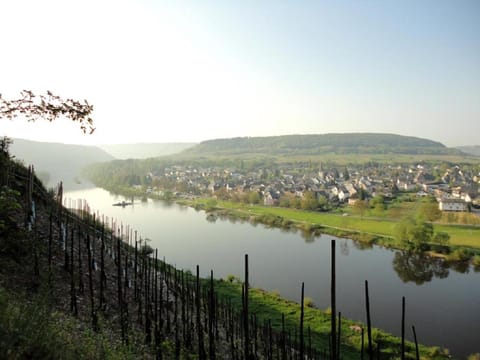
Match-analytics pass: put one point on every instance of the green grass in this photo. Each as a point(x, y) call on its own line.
point(271, 306)
point(29, 329)
point(460, 236)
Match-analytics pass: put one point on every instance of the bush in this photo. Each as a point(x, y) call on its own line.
point(476, 262)
point(308, 302)
point(458, 255)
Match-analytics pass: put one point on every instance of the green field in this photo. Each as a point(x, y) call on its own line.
point(460, 236)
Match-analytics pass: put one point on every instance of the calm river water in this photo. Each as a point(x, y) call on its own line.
point(442, 303)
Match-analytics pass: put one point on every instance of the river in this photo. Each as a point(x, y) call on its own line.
point(443, 303)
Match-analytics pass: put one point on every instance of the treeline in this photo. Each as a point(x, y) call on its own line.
point(366, 143)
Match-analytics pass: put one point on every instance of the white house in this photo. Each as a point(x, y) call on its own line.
point(452, 205)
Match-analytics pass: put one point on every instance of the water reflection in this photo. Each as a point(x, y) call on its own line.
point(417, 268)
point(462, 267)
point(361, 245)
point(308, 236)
point(344, 250)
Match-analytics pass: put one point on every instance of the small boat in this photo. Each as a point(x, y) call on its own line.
point(123, 203)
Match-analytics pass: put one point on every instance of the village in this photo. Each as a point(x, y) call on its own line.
point(456, 188)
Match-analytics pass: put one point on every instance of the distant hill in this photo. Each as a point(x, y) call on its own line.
point(144, 151)
point(472, 150)
point(349, 143)
point(56, 162)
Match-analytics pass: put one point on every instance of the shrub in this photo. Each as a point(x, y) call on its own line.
point(476, 262)
point(458, 255)
point(308, 302)
point(232, 279)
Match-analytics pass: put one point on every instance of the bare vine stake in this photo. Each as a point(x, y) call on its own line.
point(81, 287)
point(417, 354)
point(102, 268)
point(183, 306)
point(65, 250)
point(270, 340)
point(284, 348)
point(126, 285)
point(333, 321)
point(167, 298)
point(255, 333)
point(201, 350)
point(60, 200)
point(177, 339)
point(155, 312)
point(135, 269)
point(369, 323)
point(94, 238)
point(301, 321)
point(310, 343)
point(232, 344)
point(160, 319)
point(90, 285)
point(148, 322)
point(211, 335)
point(119, 291)
point(245, 314)
point(363, 344)
point(403, 328)
point(73, 295)
point(140, 285)
point(50, 238)
point(339, 333)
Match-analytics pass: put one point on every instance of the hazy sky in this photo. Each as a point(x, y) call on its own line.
point(187, 71)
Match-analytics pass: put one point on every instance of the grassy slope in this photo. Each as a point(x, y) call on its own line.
point(270, 306)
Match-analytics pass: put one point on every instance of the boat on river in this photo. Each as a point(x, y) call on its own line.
point(123, 203)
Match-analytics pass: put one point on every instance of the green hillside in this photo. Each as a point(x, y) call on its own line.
point(349, 143)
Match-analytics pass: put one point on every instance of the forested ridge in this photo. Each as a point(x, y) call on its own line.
point(366, 143)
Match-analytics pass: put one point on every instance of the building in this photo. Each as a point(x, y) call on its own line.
point(452, 205)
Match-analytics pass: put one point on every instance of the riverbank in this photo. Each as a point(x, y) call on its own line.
point(464, 240)
point(367, 229)
point(269, 306)
point(281, 254)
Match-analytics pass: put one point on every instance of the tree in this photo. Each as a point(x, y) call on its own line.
point(253, 197)
point(48, 107)
point(413, 233)
point(441, 238)
point(360, 207)
point(378, 204)
point(429, 210)
point(309, 202)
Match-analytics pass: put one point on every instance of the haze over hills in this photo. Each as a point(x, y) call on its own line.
point(56, 162)
point(144, 150)
point(348, 143)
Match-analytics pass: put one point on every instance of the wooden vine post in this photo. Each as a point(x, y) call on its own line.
point(333, 321)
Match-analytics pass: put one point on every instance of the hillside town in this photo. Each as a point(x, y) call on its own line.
point(456, 187)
